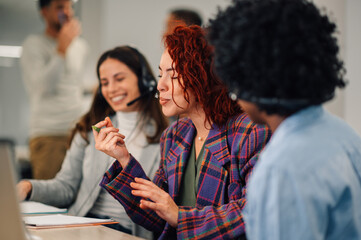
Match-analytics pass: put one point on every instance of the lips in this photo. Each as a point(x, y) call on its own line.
point(163, 101)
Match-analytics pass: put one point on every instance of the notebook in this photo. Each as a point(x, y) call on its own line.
point(11, 225)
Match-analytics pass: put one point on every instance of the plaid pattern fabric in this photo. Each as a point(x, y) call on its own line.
point(230, 155)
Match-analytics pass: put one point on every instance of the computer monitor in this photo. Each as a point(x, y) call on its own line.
point(11, 225)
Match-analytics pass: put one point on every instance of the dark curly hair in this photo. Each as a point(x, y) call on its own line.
point(279, 54)
point(193, 61)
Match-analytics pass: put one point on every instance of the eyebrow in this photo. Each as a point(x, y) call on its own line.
point(115, 75)
point(167, 70)
point(119, 73)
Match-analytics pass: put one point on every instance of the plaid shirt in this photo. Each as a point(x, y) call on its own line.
point(230, 154)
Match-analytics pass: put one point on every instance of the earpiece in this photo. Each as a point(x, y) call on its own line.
point(146, 82)
point(286, 103)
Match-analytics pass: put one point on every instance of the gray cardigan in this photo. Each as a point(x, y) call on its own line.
point(76, 186)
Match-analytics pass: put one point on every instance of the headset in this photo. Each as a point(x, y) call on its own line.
point(272, 101)
point(146, 82)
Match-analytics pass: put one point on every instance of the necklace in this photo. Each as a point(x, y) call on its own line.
point(200, 139)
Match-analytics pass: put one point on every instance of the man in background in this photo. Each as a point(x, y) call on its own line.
point(52, 65)
point(280, 58)
point(181, 17)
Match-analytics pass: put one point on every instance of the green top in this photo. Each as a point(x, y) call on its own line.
point(189, 187)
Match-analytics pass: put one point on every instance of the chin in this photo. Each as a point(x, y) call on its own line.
point(168, 113)
point(119, 108)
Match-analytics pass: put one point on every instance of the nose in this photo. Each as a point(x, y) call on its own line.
point(161, 87)
point(112, 86)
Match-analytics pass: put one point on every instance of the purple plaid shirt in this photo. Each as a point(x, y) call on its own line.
point(231, 152)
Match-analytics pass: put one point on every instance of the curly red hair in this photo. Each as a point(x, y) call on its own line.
point(193, 61)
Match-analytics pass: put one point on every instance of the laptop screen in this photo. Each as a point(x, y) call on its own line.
point(11, 226)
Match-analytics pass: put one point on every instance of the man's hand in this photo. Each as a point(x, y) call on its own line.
point(68, 32)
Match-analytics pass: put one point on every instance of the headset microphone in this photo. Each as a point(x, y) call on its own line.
point(146, 81)
point(150, 91)
point(136, 100)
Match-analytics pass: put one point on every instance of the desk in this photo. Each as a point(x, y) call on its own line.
point(81, 233)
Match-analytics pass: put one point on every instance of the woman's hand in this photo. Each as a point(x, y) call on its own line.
point(111, 142)
point(161, 203)
point(23, 188)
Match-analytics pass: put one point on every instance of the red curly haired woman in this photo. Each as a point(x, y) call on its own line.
point(206, 159)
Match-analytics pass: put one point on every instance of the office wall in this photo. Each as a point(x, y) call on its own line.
point(140, 23)
point(353, 64)
point(18, 18)
point(335, 9)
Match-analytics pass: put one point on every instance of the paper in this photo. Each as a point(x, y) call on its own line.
point(60, 220)
point(29, 207)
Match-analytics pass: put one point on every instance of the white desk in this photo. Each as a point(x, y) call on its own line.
point(81, 233)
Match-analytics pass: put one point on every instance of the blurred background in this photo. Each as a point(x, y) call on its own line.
point(108, 23)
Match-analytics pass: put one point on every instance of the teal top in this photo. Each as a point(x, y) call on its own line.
point(189, 187)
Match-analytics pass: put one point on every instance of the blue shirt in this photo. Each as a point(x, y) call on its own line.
point(307, 183)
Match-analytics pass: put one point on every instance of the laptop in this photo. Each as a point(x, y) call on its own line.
point(11, 225)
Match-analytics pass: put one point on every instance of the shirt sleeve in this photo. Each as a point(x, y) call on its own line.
point(277, 209)
point(226, 221)
point(62, 190)
point(117, 182)
point(41, 71)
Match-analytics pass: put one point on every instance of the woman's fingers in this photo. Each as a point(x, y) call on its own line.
point(99, 125)
point(144, 181)
point(110, 141)
point(148, 190)
point(111, 135)
point(145, 194)
point(117, 141)
point(109, 122)
point(144, 204)
point(156, 199)
point(145, 185)
point(105, 131)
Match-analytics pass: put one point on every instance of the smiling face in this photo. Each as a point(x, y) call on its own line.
point(119, 85)
point(171, 93)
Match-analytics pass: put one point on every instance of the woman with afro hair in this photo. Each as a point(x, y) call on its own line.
point(207, 157)
point(280, 58)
